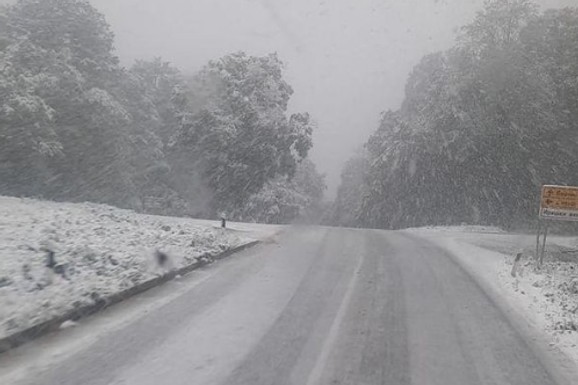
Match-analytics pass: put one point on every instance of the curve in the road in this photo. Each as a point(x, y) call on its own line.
point(324, 306)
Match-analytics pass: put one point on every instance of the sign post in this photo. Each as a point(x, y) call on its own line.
point(558, 203)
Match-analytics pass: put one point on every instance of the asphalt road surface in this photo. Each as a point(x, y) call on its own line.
point(321, 306)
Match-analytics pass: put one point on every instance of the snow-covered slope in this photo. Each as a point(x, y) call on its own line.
point(98, 251)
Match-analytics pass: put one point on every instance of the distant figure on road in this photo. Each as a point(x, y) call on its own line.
point(223, 220)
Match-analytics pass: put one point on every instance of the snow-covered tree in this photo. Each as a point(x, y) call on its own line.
point(346, 209)
point(498, 25)
point(237, 130)
point(482, 127)
point(285, 199)
point(75, 125)
point(161, 85)
point(66, 131)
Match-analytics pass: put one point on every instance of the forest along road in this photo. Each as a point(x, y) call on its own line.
point(321, 306)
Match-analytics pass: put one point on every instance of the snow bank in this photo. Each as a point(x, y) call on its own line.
point(98, 250)
point(546, 298)
point(461, 229)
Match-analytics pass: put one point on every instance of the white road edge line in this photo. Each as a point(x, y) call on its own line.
point(321, 363)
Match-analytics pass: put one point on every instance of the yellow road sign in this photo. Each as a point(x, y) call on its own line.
point(559, 202)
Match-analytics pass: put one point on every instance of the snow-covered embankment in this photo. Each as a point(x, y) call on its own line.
point(97, 251)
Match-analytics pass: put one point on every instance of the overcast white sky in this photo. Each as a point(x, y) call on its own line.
point(346, 59)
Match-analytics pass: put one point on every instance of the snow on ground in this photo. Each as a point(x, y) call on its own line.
point(98, 250)
point(546, 298)
point(460, 229)
point(253, 230)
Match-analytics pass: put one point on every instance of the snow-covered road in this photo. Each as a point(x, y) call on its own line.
point(321, 306)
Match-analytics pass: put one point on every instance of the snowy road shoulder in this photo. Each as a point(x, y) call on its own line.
point(58, 257)
point(545, 301)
